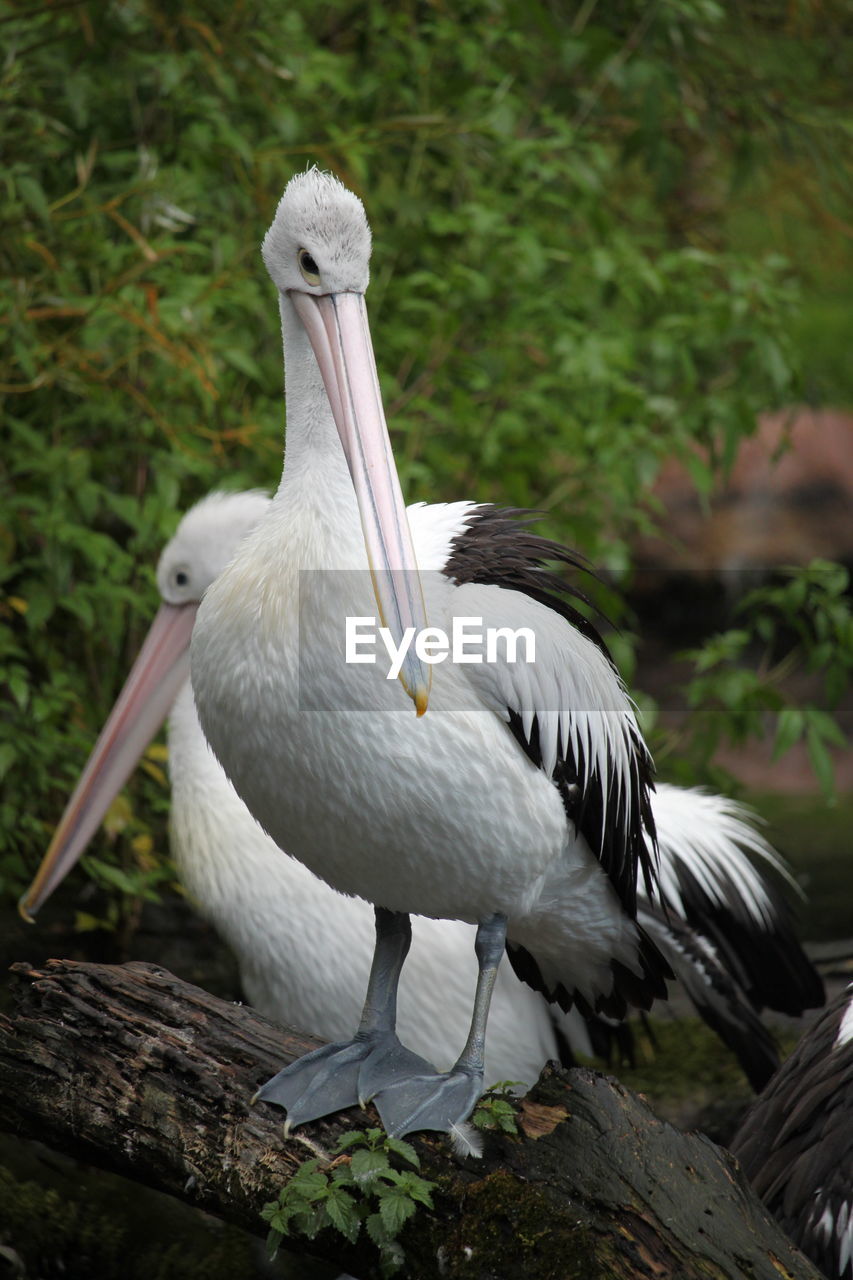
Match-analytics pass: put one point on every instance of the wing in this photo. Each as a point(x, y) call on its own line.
point(568, 709)
point(718, 1000)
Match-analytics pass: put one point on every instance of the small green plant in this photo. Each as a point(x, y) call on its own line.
point(357, 1185)
point(497, 1107)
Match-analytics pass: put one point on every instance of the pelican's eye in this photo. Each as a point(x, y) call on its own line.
point(180, 578)
point(308, 267)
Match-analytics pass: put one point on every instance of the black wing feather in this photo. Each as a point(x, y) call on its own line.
point(498, 548)
point(718, 997)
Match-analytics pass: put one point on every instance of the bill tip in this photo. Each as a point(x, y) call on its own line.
point(24, 911)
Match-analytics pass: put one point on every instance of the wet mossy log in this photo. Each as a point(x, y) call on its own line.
point(128, 1068)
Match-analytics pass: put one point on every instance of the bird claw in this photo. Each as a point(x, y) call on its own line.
point(435, 1101)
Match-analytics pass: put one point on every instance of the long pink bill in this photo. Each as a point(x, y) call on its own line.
point(340, 337)
point(143, 704)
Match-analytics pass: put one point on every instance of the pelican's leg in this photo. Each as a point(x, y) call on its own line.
point(432, 1101)
point(340, 1075)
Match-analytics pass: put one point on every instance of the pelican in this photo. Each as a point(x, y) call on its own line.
point(519, 802)
point(796, 1141)
point(516, 799)
point(716, 895)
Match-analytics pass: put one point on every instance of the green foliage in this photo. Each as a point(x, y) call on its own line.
point(358, 1189)
point(497, 1107)
point(804, 621)
point(556, 303)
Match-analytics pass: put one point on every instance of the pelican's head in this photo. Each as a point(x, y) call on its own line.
point(317, 252)
point(319, 241)
point(204, 543)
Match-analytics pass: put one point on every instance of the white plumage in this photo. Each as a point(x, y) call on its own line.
point(708, 835)
point(271, 909)
point(247, 888)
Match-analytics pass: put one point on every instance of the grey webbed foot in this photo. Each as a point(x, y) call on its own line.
point(409, 1093)
point(429, 1101)
point(318, 1083)
point(390, 1065)
point(340, 1075)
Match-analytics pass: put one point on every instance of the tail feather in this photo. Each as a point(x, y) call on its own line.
point(717, 997)
point(628, 988)
point(720, 876)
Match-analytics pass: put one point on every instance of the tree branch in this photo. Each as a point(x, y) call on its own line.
point(133, 1070)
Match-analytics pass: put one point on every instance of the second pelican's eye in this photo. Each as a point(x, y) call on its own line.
point(180, 578)
point(308, 267)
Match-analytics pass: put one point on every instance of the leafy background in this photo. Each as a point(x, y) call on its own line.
point(604, 232)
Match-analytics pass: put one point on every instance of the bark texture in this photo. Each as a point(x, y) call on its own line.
point(131, 1069)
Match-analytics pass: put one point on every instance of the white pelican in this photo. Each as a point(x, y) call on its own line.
point(796, 1141)
point(520, 802)
point(516, 803)
point(248, 889)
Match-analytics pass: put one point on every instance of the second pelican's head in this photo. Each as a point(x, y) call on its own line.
point(205, 541)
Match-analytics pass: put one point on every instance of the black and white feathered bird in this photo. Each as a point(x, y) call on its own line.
point(796, 1141)
point(518, 802)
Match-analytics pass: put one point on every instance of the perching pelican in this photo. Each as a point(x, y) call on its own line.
point(520, 802)
point(517, 802)
point(796, 1141)
point(724, 920)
